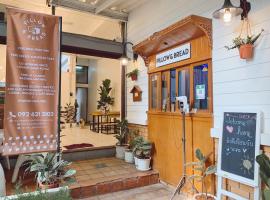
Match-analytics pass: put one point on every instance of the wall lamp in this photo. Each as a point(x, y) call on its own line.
point(124, 59)
point(228, 10)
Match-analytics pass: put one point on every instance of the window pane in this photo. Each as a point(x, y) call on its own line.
point(184, 84)
point(82, 74)
point(172, 89)
point(201, 86)
point(154, 91)
point(164, 91)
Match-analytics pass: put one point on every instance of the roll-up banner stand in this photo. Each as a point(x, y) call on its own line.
point(32, 83)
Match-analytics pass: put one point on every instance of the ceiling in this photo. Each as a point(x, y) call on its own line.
point(115, 9)
point(117, 5)
point(94, 21)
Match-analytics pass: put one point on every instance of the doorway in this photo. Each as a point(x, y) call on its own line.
point(82, 93)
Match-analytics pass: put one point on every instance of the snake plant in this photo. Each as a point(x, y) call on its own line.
point(264, 163)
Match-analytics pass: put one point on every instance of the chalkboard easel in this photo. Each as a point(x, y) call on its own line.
point(239, 145)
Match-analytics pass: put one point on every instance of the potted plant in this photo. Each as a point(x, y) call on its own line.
point(204, 171)
point(245, 45)
point(142, 151)
point(133, 74)
point(129, 156)
point(51, 170)
point(264, 163)
point(56, 193)
point(121, 133)
point(105, 100)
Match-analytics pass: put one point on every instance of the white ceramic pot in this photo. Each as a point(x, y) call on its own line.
point(2, 182)
point(136, 161)
point(120, 152)
point(199, 194)
point(129, 157)
point(143, 164)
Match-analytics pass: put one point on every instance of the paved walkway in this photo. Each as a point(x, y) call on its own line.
point(152, 192)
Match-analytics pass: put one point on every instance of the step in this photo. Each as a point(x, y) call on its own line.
point(107, 175)
point(88, 153)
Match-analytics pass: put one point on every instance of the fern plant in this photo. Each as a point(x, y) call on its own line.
point(264, 163)
point(105, 100)
point(239, 41)
point(204, 171)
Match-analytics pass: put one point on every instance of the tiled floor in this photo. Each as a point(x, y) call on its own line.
point(105, 175)
point(77, 135)
point(152, 192)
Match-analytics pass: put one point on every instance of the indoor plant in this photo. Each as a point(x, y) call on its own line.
point(245, 45)
point(204, 172)
point(121, 133)
point(50, 170)
point(142, 150)
point(264, 163)
point(133, 74)
point(105, 100)
point(129, 156)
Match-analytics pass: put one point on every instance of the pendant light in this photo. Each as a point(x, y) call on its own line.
point(227, 12)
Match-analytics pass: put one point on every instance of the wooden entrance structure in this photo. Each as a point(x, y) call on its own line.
point(181, 78)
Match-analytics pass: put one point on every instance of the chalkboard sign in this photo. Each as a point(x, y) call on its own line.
point(239, 147)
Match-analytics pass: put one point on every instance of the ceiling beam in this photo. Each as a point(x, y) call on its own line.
point(87, 7)
point(105, 5)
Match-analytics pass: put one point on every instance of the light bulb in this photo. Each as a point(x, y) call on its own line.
point(227, 17)
point(124, 61)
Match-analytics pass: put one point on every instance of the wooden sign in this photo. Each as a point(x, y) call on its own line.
point(173, 55)
point(239, 146)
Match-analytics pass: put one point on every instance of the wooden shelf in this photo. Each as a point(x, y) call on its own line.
point(184, 30)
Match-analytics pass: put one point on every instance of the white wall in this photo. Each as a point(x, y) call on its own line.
point(236, 83)
point(100, 69)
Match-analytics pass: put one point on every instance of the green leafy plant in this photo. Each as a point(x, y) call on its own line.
point(142, 148)
point(134, 72)
point(105, 100)
point(121, 131)
point(63, 194)
point(131, 139)
point(239, 41)
point(50, 170)
point(264, 163)
point(69, 114)
point(204, 171)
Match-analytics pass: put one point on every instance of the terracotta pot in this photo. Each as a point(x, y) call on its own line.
point(50, 186)
point(246, 51)
point(134, 77)
point(201, 196)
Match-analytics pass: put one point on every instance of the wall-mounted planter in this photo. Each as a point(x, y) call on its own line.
point(134, 77)
point(246, 51)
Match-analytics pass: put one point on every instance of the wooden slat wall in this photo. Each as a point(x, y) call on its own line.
point(165, 130)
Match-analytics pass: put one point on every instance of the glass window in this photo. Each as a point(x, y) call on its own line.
point(82, 74)
point(201, 86)
point(154, 97)
point(164, 91)
point(173, 89)
point(184, 84)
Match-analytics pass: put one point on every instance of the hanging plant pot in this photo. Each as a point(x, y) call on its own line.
point(246, 51)
point(43, 186)
point(134, 77)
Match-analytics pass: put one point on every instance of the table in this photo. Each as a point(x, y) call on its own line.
point(97, 119)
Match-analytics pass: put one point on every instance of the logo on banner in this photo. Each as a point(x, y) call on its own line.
point(34, 29)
